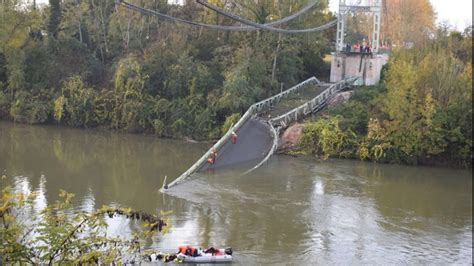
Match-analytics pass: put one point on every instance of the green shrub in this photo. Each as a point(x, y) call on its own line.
point(158, 127)
point(230, 121)
point(325, 138)
point(179, 128)
point(4, 105)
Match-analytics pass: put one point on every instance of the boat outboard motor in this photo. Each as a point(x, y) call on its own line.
point(228, 251)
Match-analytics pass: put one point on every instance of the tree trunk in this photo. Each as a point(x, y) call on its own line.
point(102, 24)
point(80, 20)
point(275, 57)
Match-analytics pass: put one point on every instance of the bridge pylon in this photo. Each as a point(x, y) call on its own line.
point(359, 58)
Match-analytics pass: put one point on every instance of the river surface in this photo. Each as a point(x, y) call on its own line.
point(291, 211)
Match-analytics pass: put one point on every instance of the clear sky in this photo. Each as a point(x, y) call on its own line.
point(457, 13)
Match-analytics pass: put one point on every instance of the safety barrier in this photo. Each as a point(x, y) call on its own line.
point(315, 104)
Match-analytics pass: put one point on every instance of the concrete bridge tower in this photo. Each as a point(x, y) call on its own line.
point(362, 58)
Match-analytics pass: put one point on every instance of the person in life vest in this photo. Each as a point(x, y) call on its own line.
point(212, 157)
point(188, 251)
point(182, 250)
point(233, 138)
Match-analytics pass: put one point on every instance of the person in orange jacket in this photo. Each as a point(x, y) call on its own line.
point(182, 249)
point(188, 251)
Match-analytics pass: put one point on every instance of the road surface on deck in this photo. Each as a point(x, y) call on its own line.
point(254, 141)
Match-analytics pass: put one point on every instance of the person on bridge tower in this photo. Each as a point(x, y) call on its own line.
point(233, 137)
point(212, 157)
point(357, 47)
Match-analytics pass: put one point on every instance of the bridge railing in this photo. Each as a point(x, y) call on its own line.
point(272, 101)
point(316, 103)
point(253, 109)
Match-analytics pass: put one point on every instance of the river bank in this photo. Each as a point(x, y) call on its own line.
point(379, 124)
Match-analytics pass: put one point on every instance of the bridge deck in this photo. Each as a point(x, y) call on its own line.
point(295, 100)
point(254, 142)
point(254, 137)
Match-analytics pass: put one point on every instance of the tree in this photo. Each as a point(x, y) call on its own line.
point(132, 107)
point(407, 21)
point(62, 236)
point(54, 18)
point(75, 106)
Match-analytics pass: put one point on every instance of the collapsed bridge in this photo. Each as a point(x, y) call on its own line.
point(258, 129)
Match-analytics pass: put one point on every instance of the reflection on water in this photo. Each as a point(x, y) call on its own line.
point(293, 210)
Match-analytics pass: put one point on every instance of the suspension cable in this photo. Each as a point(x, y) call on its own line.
point(218, 27)
point(231, 28)
point(263, 26)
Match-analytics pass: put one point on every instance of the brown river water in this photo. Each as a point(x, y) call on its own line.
point(291, 211)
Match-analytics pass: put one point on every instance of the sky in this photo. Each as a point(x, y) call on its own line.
point(457, 13)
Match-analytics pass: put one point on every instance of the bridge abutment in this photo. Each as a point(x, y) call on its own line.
point(366, 66)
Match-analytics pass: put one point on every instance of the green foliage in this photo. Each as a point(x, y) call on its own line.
point(419, 105)
point(4, 104)
point(180, 75)
point(204, 122)
point(30, 108)
point(131, 104)
point(75, 106)
point(158, 127)
point(422, 113)
point(62, 236)
point(229, 122)
point(16, 75)
point(105, 66)
point(325, 138)
point(355, 113)
point(179, 128)
point(59, 108)
point(375, 145)
point(240, 88)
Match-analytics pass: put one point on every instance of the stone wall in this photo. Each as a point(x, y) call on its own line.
point(349, 65)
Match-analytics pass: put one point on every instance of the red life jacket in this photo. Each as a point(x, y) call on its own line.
point(191, 250)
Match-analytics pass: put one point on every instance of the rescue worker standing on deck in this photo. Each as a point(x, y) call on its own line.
point(233, 137)
point(212, 157)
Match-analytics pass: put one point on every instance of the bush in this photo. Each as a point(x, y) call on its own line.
point(179, 128)
point(158, 127)
point(75, 106)
point(230, 121)
point(4, 105)
point(325, 138)
point(31, 109)
point(61, 236)
point(355, 113)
